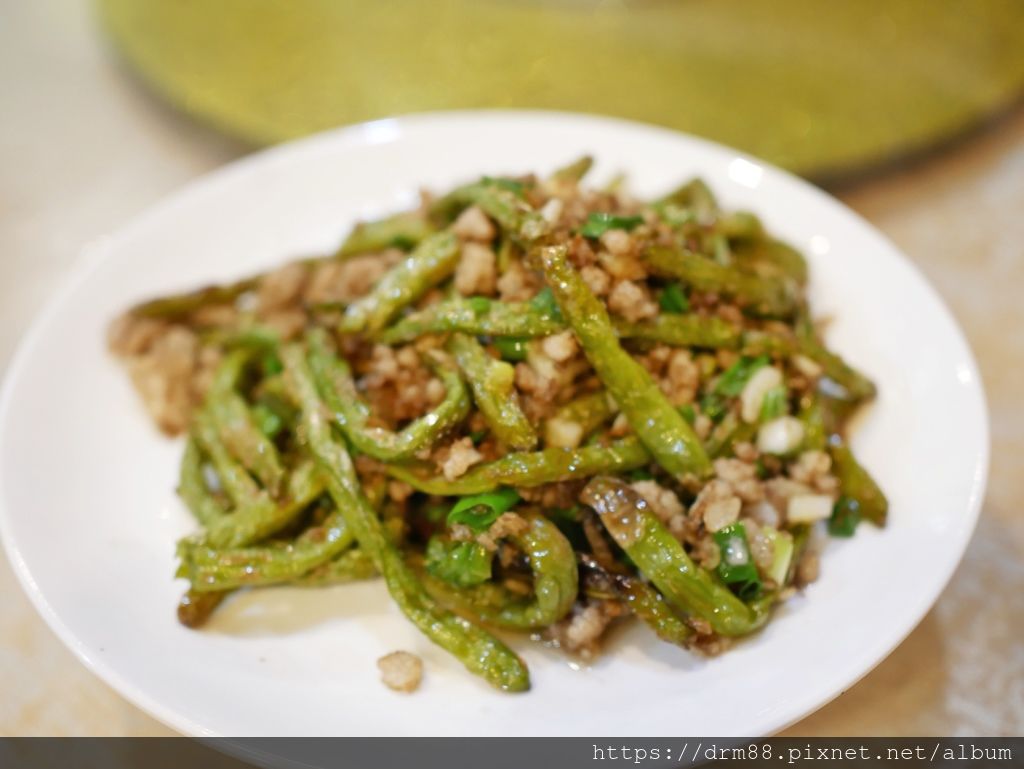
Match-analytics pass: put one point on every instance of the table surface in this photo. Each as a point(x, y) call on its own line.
point(84, 148)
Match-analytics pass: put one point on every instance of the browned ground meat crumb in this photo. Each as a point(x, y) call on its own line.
point(281, 288)
point(401, 671)
point(597, 280)
point(348, 280)
point(582, 630)
point(457, 457)
point(473, 224)
point(560, 347)
point(517, 284)
point(632, 301)
point(476, 272)
point(716, 505)
point(163, 376)
point(507, 525)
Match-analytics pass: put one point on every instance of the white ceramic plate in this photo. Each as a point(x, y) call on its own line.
point(90, 517)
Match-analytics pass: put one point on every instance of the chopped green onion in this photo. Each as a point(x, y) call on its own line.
point(462, 564)
point(511, 348)
point(598, 224)
point(774, 403)
point(271, 364)
point(479, 304)
point(673, 299)
point(544, 301)
point(640, 474)
point(689, 413)
point(477, 436)
point(732, 380)
point(713, 406)
point(736, 568)
point(845, 517)
point(479, 511)
point(269, 421)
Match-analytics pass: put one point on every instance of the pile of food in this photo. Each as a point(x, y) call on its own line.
point(528, 405)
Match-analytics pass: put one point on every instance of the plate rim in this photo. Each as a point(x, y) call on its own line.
point(96, 252)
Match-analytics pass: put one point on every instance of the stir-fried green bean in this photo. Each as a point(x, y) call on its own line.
point(237, 427)
point(478, 650)
point(195, 608)
point(193, 488)
point(180, 305)
point(211, 569)
point(492, 381)
point(662, 429)
point(770, 297)
point(770, 258)
point(599, 358)
point(856, 486)
point(433, 261)
point(574, 172)
point(839, 378)
point(262, 516)
point(555, 583)
point(478, 316)
point(515, 216)
point(589, 412)
point(683, 331)
point(528, 320)
point(529, 468)
point(639, 597)
point(659, 557)
point(403, 230)
point(352, 414)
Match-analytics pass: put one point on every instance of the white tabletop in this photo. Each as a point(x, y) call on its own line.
point(83, 147)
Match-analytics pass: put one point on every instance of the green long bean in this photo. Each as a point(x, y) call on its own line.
point(529, 468)
point(662, 429)
point(770, 297)
point(493, 384)
point(555, 583)
point(237, 427)
point(402, 230)
point(429, 264)
point(478, 650)
point(193, 489)
point(659, 557)
point(351, 413)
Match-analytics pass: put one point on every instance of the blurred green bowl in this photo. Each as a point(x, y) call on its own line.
point(823, 88)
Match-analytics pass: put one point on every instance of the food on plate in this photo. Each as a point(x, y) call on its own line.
point(529, 405)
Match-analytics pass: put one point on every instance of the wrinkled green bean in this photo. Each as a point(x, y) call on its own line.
point(659, 557)
point(493, 384)
point(511, 212)
point(529, 468)
point(574, 172)
point(639, 597)
point(237, 427)
point(840, 380)
point(193, 489)
point(588, 411)
point(477, 316)
point(683, 331)
point(770, 297)
point(262, 516)
point(662, 429)
point(402, 230)
point(430, 263)
point(212, 569)
point(478, 650)
point(334, 380)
